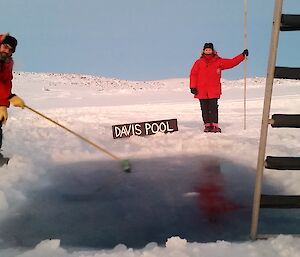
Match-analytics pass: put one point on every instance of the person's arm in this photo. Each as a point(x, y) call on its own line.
point(230, 63)
point(194, 75)
point(6, 87)
point(5, 83)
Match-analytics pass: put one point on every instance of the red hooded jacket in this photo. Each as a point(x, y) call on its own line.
point(6, 76)
point(206, 74)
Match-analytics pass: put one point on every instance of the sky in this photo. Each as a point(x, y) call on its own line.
point(142, 40)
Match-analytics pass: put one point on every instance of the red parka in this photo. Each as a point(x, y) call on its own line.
point(6, 76)
point(206, 74)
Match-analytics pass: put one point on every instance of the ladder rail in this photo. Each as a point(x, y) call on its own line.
point(265, 117)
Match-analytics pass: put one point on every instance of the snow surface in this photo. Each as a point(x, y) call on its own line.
point(90, 106)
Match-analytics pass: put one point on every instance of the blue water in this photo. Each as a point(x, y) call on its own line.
point(95, 204)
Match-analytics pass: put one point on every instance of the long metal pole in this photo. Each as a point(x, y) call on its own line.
point(245, 62)
point(75, 134)
point(265, 117)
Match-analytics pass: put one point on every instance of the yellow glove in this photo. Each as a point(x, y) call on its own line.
point(17, 101)
point(3, 114)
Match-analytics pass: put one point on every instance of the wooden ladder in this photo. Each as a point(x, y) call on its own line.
point(281, 22)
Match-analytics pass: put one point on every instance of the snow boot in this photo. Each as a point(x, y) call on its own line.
point(215, 128)
point(3, 160)
point(208, 127)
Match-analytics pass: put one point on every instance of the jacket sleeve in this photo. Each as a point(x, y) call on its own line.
point(194, 75)
point(6, 77)
point(230, 63)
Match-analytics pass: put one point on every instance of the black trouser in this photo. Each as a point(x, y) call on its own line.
point(209, 109)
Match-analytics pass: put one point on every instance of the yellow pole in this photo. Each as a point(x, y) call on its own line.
point(75, 134)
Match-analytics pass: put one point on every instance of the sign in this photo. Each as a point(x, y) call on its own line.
point(144, 128)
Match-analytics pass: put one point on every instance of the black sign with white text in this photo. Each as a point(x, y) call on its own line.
point(144, 128)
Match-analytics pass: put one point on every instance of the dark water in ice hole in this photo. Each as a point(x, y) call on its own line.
point(95, 204)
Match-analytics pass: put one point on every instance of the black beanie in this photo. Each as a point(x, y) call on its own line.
point(208, 45)
point(11, 41)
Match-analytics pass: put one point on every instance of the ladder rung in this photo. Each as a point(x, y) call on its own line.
point(286, 73)
point(282, 163)
point(285, 121)
point(280, 201)
point(290, 22)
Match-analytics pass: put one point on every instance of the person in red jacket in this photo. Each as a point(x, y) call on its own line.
point(8, 46)
point(205, 83)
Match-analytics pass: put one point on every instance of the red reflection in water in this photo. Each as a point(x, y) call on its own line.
point(212, 194)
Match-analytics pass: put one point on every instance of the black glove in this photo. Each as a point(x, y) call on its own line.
point(194, 91)
point(245, 52)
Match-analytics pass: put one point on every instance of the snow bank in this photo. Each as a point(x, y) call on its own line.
point(281, 246)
